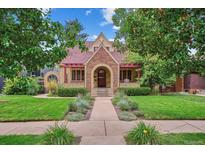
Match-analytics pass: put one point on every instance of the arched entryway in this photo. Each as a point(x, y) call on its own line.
point(102, 80)
point(102, 77)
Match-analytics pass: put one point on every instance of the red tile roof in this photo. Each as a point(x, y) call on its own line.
point(75, 56)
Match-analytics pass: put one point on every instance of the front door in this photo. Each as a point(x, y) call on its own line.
point(101, 78)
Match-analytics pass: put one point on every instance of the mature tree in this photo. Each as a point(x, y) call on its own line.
point(154, 70)
point(29, 40)
point(173, 35)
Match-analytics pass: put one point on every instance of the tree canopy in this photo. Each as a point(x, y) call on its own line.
point(30, 40)
point(175, 36)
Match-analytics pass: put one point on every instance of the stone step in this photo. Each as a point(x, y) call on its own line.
point(102, 92)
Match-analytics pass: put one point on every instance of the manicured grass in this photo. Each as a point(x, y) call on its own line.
point(171, 107)
point(183, 139)
point(21, 140)
point(25, 108)
point(165, 139)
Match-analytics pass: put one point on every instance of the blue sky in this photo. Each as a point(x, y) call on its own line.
point(93, 20)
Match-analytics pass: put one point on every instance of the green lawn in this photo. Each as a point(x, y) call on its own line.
point(165, 139)
point(183, 139)
point(25, 108)
point(21, 140)
point(171, 107)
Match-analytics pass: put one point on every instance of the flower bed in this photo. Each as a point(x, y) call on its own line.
point(80, 109)
point(126, 109)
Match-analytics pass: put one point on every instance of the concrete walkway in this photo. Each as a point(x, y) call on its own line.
point(103, 126)
point(103, 110)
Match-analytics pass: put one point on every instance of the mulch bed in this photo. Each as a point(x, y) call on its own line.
point(88, 113)
point(117, 110)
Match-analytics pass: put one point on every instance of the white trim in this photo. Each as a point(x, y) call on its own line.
point(101, 46)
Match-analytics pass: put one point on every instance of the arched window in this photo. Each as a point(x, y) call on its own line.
point(52, 77)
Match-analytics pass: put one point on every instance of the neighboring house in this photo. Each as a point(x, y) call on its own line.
point(191, 83)
point(101, 70)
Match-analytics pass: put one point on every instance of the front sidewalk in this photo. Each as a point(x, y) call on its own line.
point(103, 126)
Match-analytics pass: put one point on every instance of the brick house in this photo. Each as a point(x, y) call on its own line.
point(192, 83)
point(101, 70)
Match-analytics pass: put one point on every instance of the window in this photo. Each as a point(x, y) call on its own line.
point(129, 74)
point(121, 76)
point(108, 48)
point(52, 77)
point(77, 75)
point(82, 77)
point(125, 74)
point(73, 75)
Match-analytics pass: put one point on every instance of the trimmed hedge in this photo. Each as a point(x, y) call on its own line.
point(136, 91)
point(71, 92)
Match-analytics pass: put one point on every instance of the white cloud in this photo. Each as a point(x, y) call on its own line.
point(93, 37)
point(87, 12)
point(107, 15)
point(115, 28)
point(111, 39)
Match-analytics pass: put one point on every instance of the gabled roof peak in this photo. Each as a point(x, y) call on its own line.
point(100, 37)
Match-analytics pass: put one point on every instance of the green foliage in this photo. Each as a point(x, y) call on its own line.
point(155, 72)
point(73, 107)
point(80, 106)
point(136, 91)
point(28, 108)
point(21, 139)
point(138, 113)
point(52, 87)
point(133, 105)
point(126, 116)
point(71, 92)
point(59, 135)
point(122, 101)
point(143, 134)
point(181, 107)
point(75, 117)
point(81, 102)
point(119, 95)
point(163, 38)
point(182, 139)
point(30, 40)
point(21, 86)
point(123, 104)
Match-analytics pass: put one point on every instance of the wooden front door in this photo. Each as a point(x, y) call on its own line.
point(101, 78)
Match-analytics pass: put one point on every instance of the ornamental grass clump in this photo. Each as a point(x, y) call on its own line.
point(133, 105)
point(75, 116)
point(58, 135)
point(123, 104)
point(143, 134)
point(126, 116)
point(52, 88)
point(118, 96)
point(81, 102)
